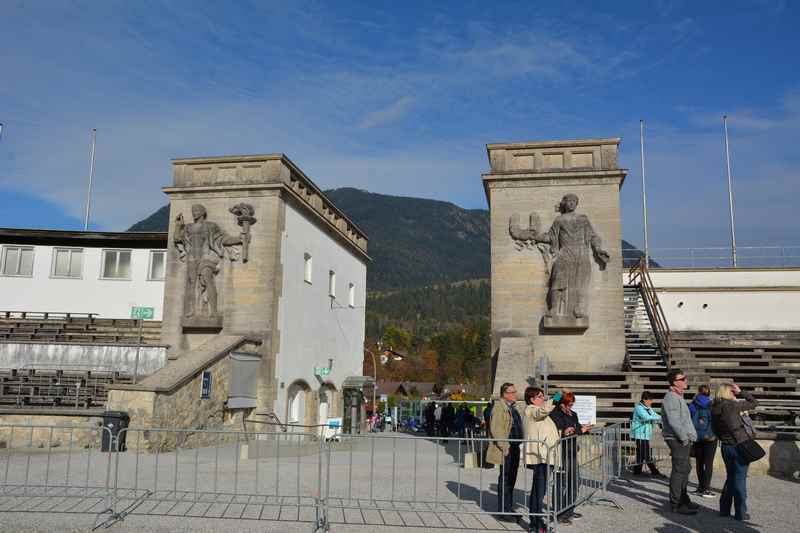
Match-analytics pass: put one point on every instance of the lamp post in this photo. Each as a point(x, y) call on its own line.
point(395, 357)
point(374, 376)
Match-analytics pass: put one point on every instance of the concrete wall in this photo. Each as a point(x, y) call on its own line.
point(313, 327)
point(110, 298)
point(84, 356)
point(729, 299)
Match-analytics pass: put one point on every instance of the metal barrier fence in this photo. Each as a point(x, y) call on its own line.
point(63, 469)
point(376, 479)
point(636, 451)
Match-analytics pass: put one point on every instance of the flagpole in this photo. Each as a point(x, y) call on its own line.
point(730, 189)
point(89, 187)
point(644, 195)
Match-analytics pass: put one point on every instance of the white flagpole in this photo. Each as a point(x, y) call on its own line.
point(730, 189)
point(644, 195)
point(89, 187)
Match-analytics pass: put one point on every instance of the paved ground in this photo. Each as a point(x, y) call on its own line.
point(191, 490)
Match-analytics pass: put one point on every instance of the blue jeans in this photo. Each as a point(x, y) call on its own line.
point(735, 490)
point(537, 494)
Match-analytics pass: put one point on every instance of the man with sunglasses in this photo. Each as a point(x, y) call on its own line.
point(679, 433)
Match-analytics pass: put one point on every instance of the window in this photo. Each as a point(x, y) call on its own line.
point(67, 262)
point(157, 269)
point(17, 261)
point(308, 265)
point(351, 295)
point(332, 284)
point(116, 264)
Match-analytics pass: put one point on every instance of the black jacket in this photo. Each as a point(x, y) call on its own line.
point(726, 418)
point(564, 421)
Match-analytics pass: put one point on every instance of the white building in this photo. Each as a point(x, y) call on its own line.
point(104, 273)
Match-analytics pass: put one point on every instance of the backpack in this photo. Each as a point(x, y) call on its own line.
point(701, 418)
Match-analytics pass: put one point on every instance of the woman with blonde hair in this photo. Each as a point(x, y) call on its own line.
point(731, 430)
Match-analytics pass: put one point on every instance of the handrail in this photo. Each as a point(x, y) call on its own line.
point(640, 275)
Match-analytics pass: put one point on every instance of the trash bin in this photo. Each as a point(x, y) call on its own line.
point(113, 438)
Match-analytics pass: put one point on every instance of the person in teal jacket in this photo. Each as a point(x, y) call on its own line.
point(642, 421)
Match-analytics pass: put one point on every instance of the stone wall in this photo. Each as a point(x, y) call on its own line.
point(159, 419)
point(69, 431)
point(532, 178)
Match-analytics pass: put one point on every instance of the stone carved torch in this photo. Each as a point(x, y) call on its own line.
point(244, 217)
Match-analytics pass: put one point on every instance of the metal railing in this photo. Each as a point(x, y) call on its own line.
point(280, 476)
point(720, 256)
point(640, 275)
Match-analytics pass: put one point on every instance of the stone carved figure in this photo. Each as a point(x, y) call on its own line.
point(568, 248)
point(202, 244)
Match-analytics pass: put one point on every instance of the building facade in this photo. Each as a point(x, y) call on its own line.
point(108, 274)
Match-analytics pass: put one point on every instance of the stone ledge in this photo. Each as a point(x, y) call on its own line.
point(190, 364)
point(50, 411)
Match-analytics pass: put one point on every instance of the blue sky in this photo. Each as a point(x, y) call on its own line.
point(401, 98)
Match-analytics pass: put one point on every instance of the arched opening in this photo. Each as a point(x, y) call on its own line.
point(298, 396)
point(327, 403)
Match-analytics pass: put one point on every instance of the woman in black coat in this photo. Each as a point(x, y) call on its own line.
point(568, 480)
point(731, 429)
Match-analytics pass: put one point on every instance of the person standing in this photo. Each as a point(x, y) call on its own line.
point(642, 422)
point(679, 434)
point(706, 446)
point(505, 423)
point(568, 481)
point(729, 425)
point(541, 434)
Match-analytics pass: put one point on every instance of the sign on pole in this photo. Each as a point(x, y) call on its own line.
point(321, 371)
point(142, 313)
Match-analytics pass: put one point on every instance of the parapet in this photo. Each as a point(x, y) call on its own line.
point(554, 156)
point(263, 171)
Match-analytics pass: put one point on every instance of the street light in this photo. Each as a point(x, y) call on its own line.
point(395, 357)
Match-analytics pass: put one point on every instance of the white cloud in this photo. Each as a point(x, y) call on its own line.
point(391, 113)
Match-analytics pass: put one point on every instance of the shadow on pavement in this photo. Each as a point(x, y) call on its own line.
point(655, 495)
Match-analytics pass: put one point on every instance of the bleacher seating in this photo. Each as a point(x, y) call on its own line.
point(60, 387)
point(768, 365)
point(77, 328)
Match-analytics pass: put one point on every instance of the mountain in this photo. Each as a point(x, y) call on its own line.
point(414, 242)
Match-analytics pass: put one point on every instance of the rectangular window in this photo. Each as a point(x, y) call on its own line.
point(116, 264)
point(67, 262)
point(158, 259)
point(17, 261)
point(332, 284)
point(307, 266)
point(351, 295)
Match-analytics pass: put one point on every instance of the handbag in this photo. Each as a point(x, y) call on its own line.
point(749, 451)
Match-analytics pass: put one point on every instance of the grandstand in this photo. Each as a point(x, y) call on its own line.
point(28, 326)
point(67, 385)
point(766, 363)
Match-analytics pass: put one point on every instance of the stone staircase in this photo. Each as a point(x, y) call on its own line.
point(641, 350)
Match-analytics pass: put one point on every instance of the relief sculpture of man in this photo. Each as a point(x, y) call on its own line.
point(202, 244)
point(572, 245)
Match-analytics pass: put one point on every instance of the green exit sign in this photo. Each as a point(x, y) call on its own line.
point(321, 371)
point(142, 313)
